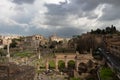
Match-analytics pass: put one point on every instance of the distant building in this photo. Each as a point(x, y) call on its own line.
point(5, 40)
point(33, 42)
point(1, 45)
point(61, 42)
point(54, 37)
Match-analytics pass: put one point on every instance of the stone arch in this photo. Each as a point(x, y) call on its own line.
point(61, 65)
point(71, 64)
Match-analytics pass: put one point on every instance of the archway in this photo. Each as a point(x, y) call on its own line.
point(61, 65)
point(71, 65)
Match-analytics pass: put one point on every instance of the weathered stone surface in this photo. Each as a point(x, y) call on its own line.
point(11, 71)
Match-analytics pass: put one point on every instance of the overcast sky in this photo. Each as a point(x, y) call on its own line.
point(63, 17)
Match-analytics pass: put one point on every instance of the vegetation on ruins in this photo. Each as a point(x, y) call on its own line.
point(51, 64)
point(71, 64)
point(23, 54)
point(61, 65)
point(106, 74)
point(2, 52)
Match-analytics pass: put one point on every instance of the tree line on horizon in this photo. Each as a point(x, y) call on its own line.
point(107, 30)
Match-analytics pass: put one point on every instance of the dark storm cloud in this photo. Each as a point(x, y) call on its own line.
point(55, 9)
point(86, 5)
point(110, 13)
point(63, 32)
point(11, 30)
point(69, 31)
point(112, 2)
point(34, 30)
point(23, 1)
point(55, 14)
point(58, 13)
point(21, 30)
point(56, 20)
point(76, 7)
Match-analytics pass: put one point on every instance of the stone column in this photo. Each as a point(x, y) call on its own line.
point(76, 65)
point(39, 55)
point(47, 65)
point(26, 60)
point(56, 65)
point(66, 64)
point(90, 50)
point(8, 51)
point(38, 66)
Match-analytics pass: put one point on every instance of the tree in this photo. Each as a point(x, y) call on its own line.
point(107, 30)
point(2, 52)
point(13, 44)
point(61, 65)
point(103, 32)
point(53, 44)
point(98, 31)
point(71, 64)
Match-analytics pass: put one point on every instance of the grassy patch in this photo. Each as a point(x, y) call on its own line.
point(23, 54)
point(52, 64)
point(106, 74)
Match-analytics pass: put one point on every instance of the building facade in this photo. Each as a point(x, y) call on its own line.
point(113, 44)
point(54, 37)
point(33, 42)
point(5, 40)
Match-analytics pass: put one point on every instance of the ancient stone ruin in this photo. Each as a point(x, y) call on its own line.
point(11, 71)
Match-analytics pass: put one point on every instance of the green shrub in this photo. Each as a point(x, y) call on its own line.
point(106, 74)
